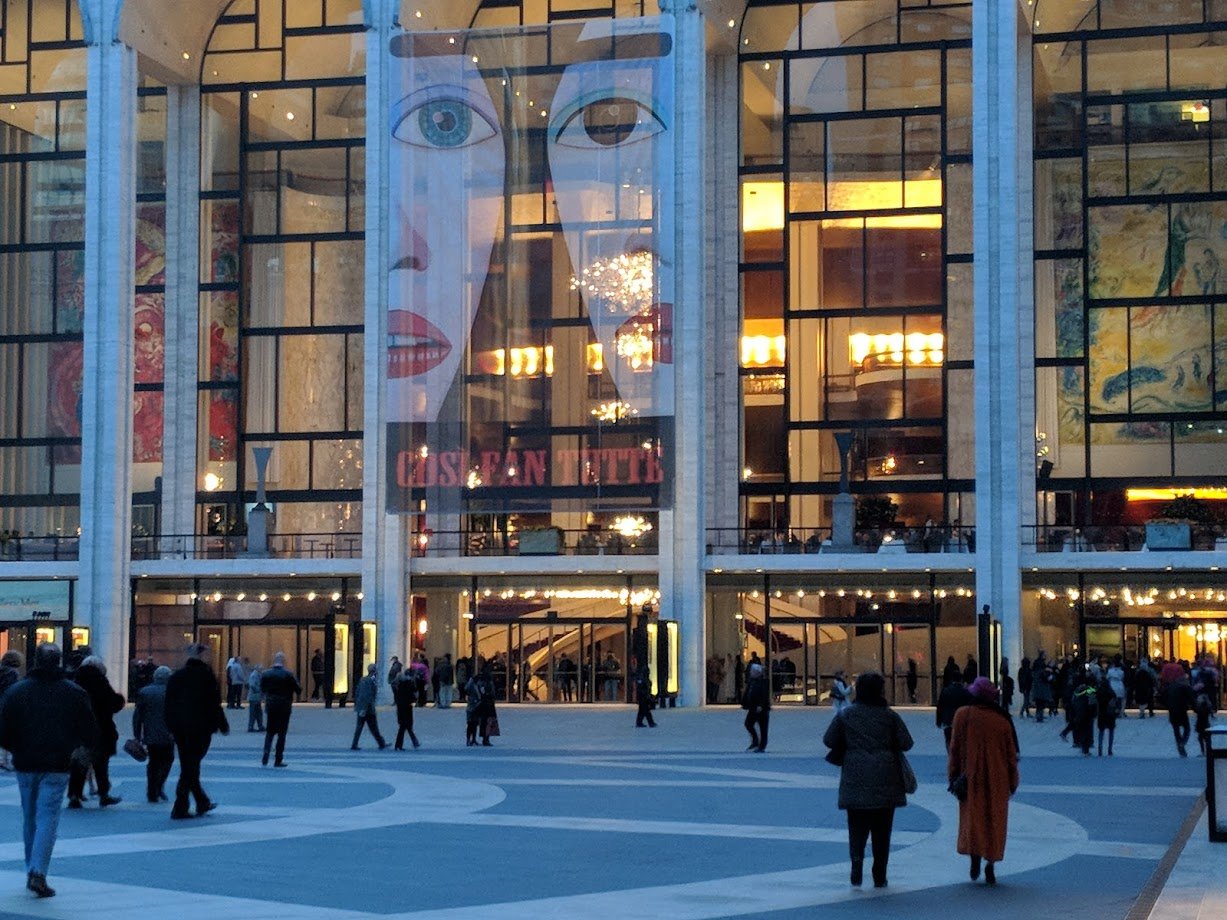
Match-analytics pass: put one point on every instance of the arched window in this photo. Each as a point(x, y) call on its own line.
point(42, 274)
point(856, 265)
point(281, 306)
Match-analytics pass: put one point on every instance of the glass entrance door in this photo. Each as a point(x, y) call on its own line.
point(537, 660)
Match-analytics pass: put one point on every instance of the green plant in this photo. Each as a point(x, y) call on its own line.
point(1188, 508)
point(875, 512)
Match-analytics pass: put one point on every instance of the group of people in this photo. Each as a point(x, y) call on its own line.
point(868, 741)
point(1094, 693)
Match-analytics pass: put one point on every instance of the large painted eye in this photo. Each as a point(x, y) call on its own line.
point(443, 124)
point(609, 122)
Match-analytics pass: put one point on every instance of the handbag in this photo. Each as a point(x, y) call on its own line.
point(907, 776)
point(136, 750)
point(835, 756)
point(958, 787)
point(492, 730)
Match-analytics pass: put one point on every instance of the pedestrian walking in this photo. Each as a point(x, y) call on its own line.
point(952, 698)
point(1007, 686)
point(757, 703)
point(984, 760)
point(1203, 710)
point(11, 663)
point(149, 728)
point(280, 688)
point(841, 693)
point(951, 672)
point(44, 719)
point(1025, 678)
point(317, 674)
point(236, 677)
point(1108, 706)
point(105, 702)
point(1115, 673)
point(1083, 708)
point(867, 740)
point(394, 670)
point(971, 671)
point(643, 695)
point(446, 675)
point(193, 715)
point(255, 700)
point(364, 705)
point(1144, 689)
point(1041, 686)
point(480, 710)
point(405, 693)
point(912, 680)
point(1180, 699)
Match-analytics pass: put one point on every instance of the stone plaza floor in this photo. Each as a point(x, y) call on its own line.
point(575, 813)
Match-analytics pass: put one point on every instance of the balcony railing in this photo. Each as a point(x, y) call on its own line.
point(49, 548)
point(280, 546)
point(933, 538)
point(548, 541)
point(1125, 538)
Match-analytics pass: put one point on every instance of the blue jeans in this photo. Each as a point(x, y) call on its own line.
point(42, 797)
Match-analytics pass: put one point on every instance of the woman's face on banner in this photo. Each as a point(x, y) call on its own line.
point(447, 170)
point(610, 157)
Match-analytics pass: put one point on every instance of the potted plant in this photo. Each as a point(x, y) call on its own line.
point(875, 514)
point(1179, 521)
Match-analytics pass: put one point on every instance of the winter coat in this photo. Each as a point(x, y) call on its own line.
point(149, 716)
point(8, 677)
point(1144, 687)
point(254, 692)
point(193, 703)
point(950, 701)
point(1025, 676)
point(1041, 684)
point(105, 703)
point(1106, 703)
point(871, 737)
point(757, 695)
point(983, 749)
point(1116, 677)
point(279, 685)
point(43, 719)
point(365, 696)
point(405, 692)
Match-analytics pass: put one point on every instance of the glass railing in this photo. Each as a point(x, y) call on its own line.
point(1125, 538)
point(894, 540)
point(31, 548)
point(544, 541)
point(234, 546)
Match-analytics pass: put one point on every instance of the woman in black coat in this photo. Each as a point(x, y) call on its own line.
point(105, 702)
point(868, 738)
point(405, 692)
point(951, 673)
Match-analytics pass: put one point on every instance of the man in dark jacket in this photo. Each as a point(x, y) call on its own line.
point(279, 686)
point(92, 678)
point(643, 695)
point(1180, 699)
point(193, 714)
point(405, 693)
point(951, 700)
point(44, 719)
point(149, 728)
point(757, 704)
point(364, 706)
point(317, 674)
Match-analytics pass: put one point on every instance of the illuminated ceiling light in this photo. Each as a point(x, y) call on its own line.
point(631, 526)
point(360, 595)
point(474, 59)
point(763, 350)
point(614, 411)
point(310, 595)
point(254, 94)
point(762, 203)
point(217, 596)
point(473, 481)
point(417, 14)
point(746, 473)
point(623, 284)
point(336, 595)
point(286, 596)
point(240, 596)
point(187, 56)
point(1205, 493)
point(871, 351)
point(289, 116)
point(263, 596)
point(451, 40)
point(212, 482)
point(637, 344)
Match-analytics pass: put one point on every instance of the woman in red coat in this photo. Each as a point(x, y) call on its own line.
point(984, 749)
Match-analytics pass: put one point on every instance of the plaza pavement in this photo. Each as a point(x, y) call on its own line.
point(576, 814)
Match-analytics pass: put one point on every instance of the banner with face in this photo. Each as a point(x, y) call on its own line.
point(530, 309)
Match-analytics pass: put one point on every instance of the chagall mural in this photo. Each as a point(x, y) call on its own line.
point(1158, 358)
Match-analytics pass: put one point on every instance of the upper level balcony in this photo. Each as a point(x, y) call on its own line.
point(237, 546)
point(890, 541)
point(1156, 536)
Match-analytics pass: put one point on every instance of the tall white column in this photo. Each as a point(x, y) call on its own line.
point(1003, 306)
point(682, 536)
point(103, 595)
point(383, 558)
point(182, 309)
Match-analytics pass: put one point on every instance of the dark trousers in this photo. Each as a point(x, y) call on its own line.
point(317, 685)
point(645, 711)
point(875, 822)
point(370, 722)
point(278, 725)
point(157, 769)
point(255, 716)
point(234, 696)
point(191, 752)
point(404, 721)
point(1179, 720)
point(757, 718)
point(101, 764)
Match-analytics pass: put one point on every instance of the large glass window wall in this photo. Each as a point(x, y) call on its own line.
point(281, 293)
point(856, 267)
point(538, 418)
point(809, 627)
point(1130, 236)
point(42, 273)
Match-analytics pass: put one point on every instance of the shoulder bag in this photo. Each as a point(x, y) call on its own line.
point(835, 756)
point(907, 776)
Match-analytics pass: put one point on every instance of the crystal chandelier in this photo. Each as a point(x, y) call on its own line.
point(613, 411)
point(623, 284)
point(635, 343)
point(631, 526)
